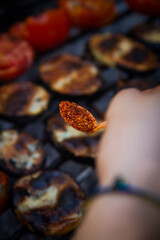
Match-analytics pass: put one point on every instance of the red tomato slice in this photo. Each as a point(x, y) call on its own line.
point(18, 30)
point(15, 57)
point(3, 190)
point(46, 31)
point(89, 13)
point(149, 7)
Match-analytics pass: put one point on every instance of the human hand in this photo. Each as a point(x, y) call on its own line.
point(130, 146)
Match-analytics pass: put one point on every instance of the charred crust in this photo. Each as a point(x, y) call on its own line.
point(109, 43)
point(46, 178)
point(18, 98)
point(70, 66)
point(25, 154)
point(125, 53)
point(148, 33)
point(51, 219)
point(88, 53)
point(19, 195)
point(140, 84)
point(82, 147)
point(67, 204)
point(136, 55)
point(142, 29)
point(70, 75)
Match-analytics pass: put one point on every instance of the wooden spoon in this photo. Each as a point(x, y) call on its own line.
point(79, 118)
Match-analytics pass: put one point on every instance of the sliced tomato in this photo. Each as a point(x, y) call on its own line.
point(3, 190)
point(149, 7)
point(19, 30)
point(46, 31)
point(15, 57)
point(89, 13)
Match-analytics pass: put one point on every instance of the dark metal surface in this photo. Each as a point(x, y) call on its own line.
point(81, 170)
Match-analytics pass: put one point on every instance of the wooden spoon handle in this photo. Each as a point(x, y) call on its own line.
point(101, 125)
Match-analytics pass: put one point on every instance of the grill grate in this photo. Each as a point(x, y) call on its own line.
point(84, 172)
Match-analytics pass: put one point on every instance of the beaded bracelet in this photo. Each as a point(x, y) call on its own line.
point(121, 186)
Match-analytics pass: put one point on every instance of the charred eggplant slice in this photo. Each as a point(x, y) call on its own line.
point(20, 153)
point(78, 143)
point(70, 75)
point(119, 50)
point(138, 83)
point(20, 99)
point(148, 33)
point(48, 202)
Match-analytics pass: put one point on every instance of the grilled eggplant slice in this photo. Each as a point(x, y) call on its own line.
point(138, 83)
point(22, 99)
point(20, 153)
point(119, 50)
point(48, 202)
point(148, 33)
point(78, 143)
point(70, 75)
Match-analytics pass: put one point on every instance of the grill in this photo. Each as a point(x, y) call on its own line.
point(82, 170)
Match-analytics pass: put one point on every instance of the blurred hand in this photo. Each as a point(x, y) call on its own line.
point(130, 147)
point(131, 143)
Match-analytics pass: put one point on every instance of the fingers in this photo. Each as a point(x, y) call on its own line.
point(128, 98)
point(121, 100)
point(132, 133)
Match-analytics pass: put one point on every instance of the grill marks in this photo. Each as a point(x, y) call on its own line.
point(70, 75)
point(82, 146)
point(20, 153)
point(66, 205)
point(136, 55)
point(72, 66)
point(59, 67)
point(20, 99)
point(118, 50)
point(60, 202)
point(150, 33)
point(109, 44)
point(47, 178)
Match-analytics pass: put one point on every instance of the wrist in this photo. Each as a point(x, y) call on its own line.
point(120, 217)
point(145, 176)
point(124, 154)
point(122, 187)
